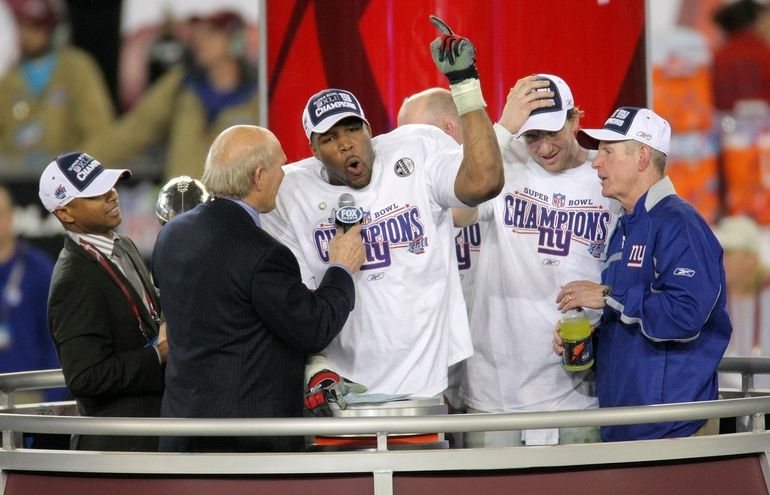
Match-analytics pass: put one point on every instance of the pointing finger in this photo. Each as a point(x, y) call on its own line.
point(441, 25)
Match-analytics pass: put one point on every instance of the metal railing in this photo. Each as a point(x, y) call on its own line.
point(382, 426)
point(383, 469)
point(46, 420)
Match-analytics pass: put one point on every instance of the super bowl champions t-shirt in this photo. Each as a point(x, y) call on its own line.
point(543, 230)
point(409, 323)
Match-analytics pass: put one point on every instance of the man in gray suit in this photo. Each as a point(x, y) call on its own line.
point(241, 321)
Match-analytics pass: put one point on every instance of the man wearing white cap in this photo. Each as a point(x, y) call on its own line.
point(103, 309)
point(664, 325)
point(547, 227)
point(410, 321)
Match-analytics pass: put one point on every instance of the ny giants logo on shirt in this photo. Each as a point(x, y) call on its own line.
point(392, 227)
point(636, 258)
point(529, 212)
point(467, 241)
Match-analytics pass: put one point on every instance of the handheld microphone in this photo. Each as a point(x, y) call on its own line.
point(347, 214)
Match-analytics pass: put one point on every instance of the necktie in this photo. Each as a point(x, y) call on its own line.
point(129, 270)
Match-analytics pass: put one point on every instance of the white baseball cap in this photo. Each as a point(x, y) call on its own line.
point(550, 119)
point(76, 175)
point(325, 108)
point(638, 124)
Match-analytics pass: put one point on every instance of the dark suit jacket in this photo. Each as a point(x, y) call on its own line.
point(240, 323)
point(103, 353)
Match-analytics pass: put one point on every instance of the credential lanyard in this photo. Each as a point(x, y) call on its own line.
point(90, 249)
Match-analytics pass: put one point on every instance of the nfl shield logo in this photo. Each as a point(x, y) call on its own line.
point(559, 199)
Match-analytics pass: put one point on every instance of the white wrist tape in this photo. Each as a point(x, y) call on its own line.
point(467, 96)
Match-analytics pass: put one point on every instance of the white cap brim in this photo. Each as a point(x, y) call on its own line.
point(589, 139)
point(550, 122)
point(106, 181)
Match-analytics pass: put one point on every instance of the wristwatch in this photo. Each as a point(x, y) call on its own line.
point(606, 292)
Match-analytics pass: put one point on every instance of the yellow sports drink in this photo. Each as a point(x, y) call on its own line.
point(575, 332)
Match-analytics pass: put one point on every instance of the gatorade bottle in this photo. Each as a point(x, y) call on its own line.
point(575, 332)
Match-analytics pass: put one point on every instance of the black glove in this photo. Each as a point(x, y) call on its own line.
point(454, 55)
point(323, 388)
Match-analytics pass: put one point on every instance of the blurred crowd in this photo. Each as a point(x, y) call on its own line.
point(55, 98)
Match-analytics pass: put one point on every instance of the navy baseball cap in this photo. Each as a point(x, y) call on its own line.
point(324, 109)
point(76, 175)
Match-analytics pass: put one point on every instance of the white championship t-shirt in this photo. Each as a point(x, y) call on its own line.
point(409, 323)
point(467, 248)
point(542, 231)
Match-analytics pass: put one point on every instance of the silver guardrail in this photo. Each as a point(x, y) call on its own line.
point(750, 365)
point(747, 367)
point(382, 469)
point(384, 425)
point(43, 379)
point(31, 380)
point(752, 408)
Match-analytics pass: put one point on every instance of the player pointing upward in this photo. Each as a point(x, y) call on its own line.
point(409, 323)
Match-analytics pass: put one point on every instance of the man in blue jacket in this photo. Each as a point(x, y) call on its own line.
point(665, 326)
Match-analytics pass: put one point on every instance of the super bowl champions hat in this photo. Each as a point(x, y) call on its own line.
point(327, 107)
point(552, 118)
point(76, 175)
point(639, 124)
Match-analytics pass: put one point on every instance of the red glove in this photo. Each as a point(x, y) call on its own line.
point(323, 388)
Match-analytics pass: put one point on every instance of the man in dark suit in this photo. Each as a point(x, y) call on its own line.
point(102, 306)
point(241, 321)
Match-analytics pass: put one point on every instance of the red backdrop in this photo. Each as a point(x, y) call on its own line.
point(378, 49)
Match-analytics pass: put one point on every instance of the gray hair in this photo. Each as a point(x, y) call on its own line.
point(229, 170)
point(658, 158)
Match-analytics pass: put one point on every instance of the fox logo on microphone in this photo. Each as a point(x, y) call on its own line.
point(348, 215)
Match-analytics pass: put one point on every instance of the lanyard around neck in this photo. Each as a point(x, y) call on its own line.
point(90, 249)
